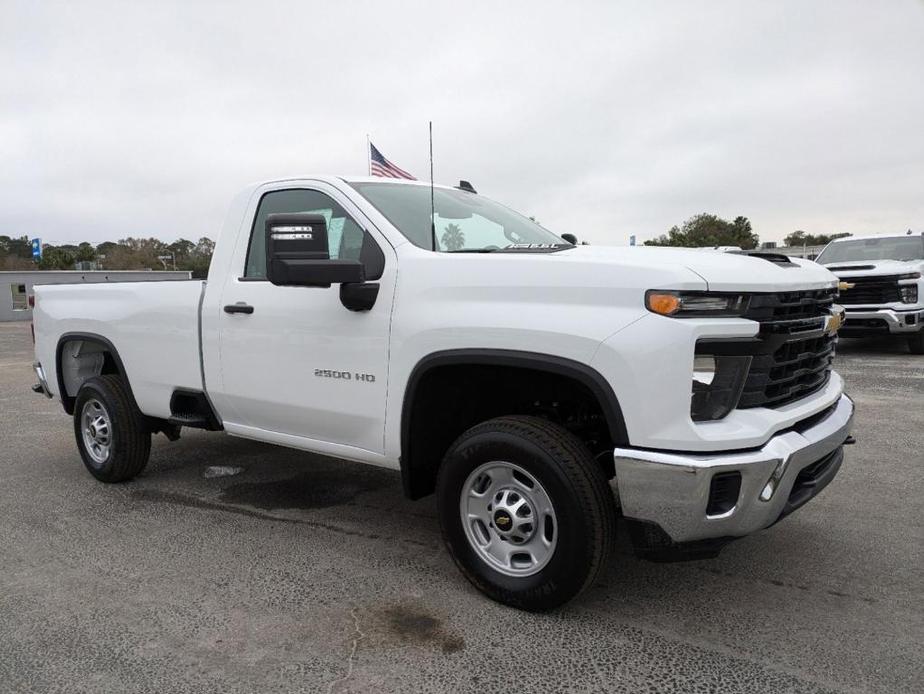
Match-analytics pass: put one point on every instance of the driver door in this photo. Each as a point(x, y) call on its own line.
point(300, 364)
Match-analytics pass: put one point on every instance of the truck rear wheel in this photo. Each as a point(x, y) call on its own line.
point(526, 512)
point(916, 343)
point(112, 436)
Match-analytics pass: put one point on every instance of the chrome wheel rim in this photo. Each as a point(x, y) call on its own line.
point(96, 428)
point(508, 518)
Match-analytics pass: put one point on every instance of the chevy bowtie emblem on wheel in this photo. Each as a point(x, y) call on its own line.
point(834, 321)
point(502, 519)
point(844, 286)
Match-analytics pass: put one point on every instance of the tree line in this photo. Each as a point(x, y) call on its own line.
point(125, 254)
point(702, 230)
point(706, 230)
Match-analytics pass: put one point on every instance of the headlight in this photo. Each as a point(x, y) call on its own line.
point(695, 304)
point(909, 293)
point(717, 384)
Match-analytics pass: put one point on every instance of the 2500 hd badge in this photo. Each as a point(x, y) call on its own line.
point(344, 375)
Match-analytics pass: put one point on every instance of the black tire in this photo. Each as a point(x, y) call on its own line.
point(582, 500)
point(916, 343)
point(129, 436)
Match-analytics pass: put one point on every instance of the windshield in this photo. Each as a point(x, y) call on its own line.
point(465, 222)
point(885, 248)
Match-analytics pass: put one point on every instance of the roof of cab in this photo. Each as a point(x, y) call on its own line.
point(334, 180)
point(877, 236)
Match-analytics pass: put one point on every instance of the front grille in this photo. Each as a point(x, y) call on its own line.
point(793, 355)
point(870, 290)
point(771, 308)
point(867, 324)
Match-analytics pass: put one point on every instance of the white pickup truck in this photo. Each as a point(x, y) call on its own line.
point(882, 285)
point(540, 389)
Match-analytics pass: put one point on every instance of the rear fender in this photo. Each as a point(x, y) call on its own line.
point(80, 356)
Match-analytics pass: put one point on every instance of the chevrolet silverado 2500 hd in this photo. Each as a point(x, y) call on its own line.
point(538, 388)
point(882, 286)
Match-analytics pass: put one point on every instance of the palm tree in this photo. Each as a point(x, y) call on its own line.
point(453, 238)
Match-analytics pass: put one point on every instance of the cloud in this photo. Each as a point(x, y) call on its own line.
point(602, 119)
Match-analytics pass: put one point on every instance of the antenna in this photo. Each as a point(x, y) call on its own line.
point(432, 204)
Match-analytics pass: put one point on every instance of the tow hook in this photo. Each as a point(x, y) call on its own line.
point(850, 440)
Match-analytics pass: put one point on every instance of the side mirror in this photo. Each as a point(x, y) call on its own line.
point(297, 253)
point(570, 238)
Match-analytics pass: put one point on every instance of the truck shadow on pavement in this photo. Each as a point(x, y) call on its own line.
point(285, 485)
point(318, 487)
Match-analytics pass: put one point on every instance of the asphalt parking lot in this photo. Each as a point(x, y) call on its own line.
point(304, 573)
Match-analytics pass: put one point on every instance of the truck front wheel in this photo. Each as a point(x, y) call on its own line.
point(526, 512)
point(112, 436)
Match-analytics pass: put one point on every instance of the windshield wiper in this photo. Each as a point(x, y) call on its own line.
point(517, 248)
point(536, 247)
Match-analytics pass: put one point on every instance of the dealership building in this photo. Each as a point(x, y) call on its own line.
point(16, 286)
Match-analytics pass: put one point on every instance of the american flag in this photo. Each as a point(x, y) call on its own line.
point(380, 166)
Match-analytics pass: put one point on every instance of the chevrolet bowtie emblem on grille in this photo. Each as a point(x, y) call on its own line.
point(834, 321)
point(844, 286)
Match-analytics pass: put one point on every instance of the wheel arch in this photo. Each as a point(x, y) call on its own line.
point(417, 476)
point(115, 364)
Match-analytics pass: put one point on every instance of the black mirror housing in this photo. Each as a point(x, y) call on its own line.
point(297, 253)
point(308, 272)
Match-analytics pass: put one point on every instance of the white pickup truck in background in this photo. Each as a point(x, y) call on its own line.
point(539, 388)
point(882, 285)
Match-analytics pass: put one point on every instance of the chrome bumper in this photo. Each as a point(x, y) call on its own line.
point(673, 489)
point(42, 385)
point(897, 321)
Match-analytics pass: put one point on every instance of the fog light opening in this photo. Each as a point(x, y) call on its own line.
point(724, 490)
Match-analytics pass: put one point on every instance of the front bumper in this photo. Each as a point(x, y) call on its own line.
point(862, 322)
point(674, 490)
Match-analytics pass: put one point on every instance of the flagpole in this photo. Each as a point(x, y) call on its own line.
point(368, 155)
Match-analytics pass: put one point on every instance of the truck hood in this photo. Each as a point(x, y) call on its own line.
point(721, 271)
point(874, 268)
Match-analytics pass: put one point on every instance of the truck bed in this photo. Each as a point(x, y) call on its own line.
point(154, 327)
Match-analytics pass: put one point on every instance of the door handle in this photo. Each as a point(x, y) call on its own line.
point(239, 308)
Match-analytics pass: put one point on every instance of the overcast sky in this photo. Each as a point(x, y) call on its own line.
point(601, 119)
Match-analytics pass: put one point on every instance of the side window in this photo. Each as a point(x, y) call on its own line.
point(346, 238)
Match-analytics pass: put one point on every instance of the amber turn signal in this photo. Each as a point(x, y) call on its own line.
point(663, 303)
